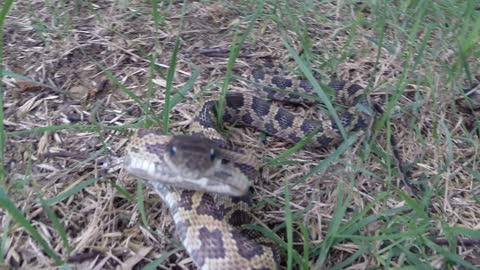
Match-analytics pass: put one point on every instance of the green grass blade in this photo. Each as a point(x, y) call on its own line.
point(156, 17)
point(18, 217)
point(320, 91)
point(413, 258)
point(361, 219)
point(306, 246)
point(475, 234)
point(413, 234)
point(334, 225)
point(232, 57)
point(326, 162)
point(412, 203)
point(170, 75)
point(3, 245)
point(448, 139)
point(70, 192)
point(3, 13)
point(122, 191)
point(181, 94)
point(271, 235)
point(351, 259)
point(36, 131)
point(57, 225)
point(457, 260)
point(289, 224)
point(8, 73)
point(127, 91)
point(412, 36)
point(141, 203)
point(280, 158)
point(151, 74)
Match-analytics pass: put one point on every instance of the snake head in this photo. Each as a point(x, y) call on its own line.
point(184, 161)
point(192, 156)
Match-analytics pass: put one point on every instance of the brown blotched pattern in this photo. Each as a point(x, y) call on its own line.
point(211, 242)
point(207, 226)
point(155, 148)
point(247, 249)
point(208, 207)
point(253, 111)
point(143, 132)
point(212, 245)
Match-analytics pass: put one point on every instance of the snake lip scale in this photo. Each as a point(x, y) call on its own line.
point(184, 161)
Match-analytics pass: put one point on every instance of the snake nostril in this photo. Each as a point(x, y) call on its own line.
point(212, 154)
point(173, 150)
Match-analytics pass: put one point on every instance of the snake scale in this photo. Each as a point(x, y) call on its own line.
point(205, 182)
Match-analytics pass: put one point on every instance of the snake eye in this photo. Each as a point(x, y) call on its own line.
point(173, 150)
point(212, 154)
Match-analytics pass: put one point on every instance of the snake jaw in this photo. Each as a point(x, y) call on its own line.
point(222, 178)
point(139, 167)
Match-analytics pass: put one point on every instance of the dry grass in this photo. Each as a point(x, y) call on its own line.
point(61, 131)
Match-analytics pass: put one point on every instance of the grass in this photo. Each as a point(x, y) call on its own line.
point(3, 13)
point(7, 220)
point(341, 207)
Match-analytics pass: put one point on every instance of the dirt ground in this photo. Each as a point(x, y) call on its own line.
point(68, 51)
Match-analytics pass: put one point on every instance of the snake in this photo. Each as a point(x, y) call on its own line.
point(206, 182)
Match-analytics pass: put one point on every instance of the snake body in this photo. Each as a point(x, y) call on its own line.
point(189, 171)
point(184, 169)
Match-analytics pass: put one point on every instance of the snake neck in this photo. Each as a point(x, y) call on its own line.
point(211, 242)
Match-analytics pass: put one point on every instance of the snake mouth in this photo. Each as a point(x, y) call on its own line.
point(226, 179)
point(221, 178)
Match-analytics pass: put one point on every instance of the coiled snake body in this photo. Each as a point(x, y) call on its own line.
point(184, 169)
